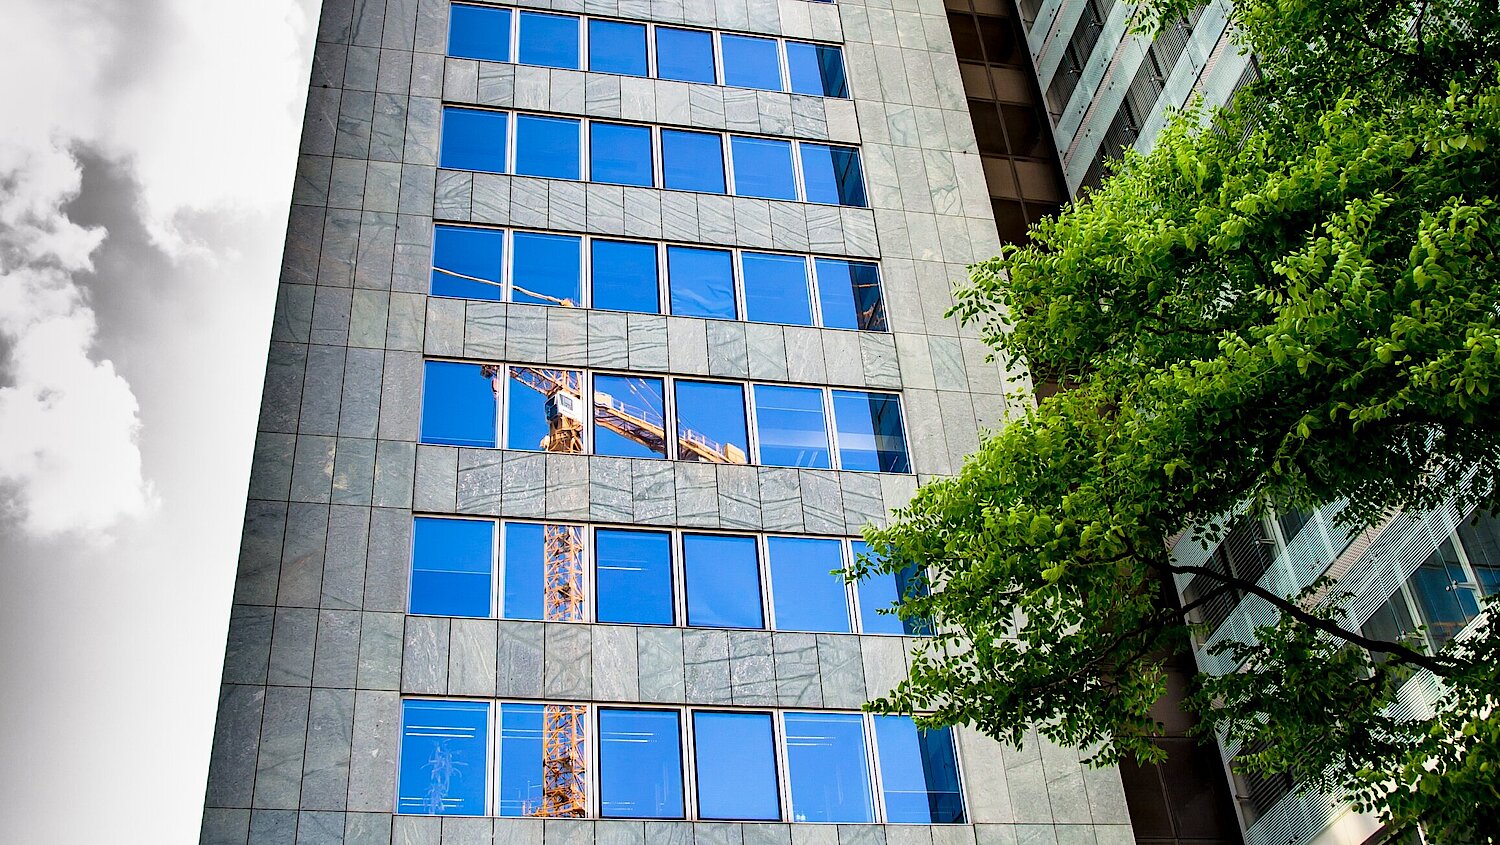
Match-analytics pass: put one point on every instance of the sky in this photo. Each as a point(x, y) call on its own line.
point(146, 158)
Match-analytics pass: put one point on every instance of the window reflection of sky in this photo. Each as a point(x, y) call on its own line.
point(790, 426)
point(633, 576)
point(807, 593)
point(830, 781)
point(736, 766)
point(640, 764)
point(723, 581)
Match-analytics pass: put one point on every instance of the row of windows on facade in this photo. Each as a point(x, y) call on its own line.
point(495, 34)
point(641, 276)
point(543, 409)
point(484, 568)
point(627, 154)
point(741, 765)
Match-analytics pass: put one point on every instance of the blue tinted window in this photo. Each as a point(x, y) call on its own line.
point(640, 764)
point(869, 431)
point(467, 262)
point(451, 562)
point(750, 62)
point(443, 757)
point(458, 405)
point(918, 773)
point(692, 161)
point(539, 400)
point(816, 69)
point(686, 55)
point(881, 590)
point(479, 32)
point(723, 581)
point(832, 175)
point(549, 40)
point(546, 146)
point(807, 587)
point(624, 276)
point(776, 289)
point(789, 424)
point(629, 417)
point(520, 753)
point(736, 763)
point(522, 580)
point(547, 269)
point(620, 154)
point(701, 282)
point(763, 168)
point(825, 758)
point(473, 139)
point(633, 576)
point(849, 295)
point(711, 423)
point(617, 47)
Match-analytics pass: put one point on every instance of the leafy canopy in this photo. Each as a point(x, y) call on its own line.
point(1292, 304)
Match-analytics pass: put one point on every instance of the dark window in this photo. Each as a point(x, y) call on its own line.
point(736, 763)
point(776, 289)
point(633, 576)
point(458, 405)
point(763, 168)
point(692, 161)
point(807, 590)
point(1010, 220)
point(443, 748)
point(1002, 43)
point(629, 417)
point(723, 581)
point(544, 408)
point(881, 591)
point(701, 282)
point(620, 154)
point(451, 562)
point(711, 422)
point(547, 269)
point(1480, 536)
point(549, 40)
point(1391, 622)
point(989, 132)
point(789, 423)
point(816, 69)
point(479, 32)
point(1444, 600)
point(686, 55)
point(849, 295)
point(625, 276)
point(830, 779)
point(965, 37)
point(832, 175)
point(546, 146)
point(1023, 126)
point(751, 62)
point(617, 47)
point(640, 764)
point(467, 262)
point(918, 773)
point(473, 139)
point(870, 434)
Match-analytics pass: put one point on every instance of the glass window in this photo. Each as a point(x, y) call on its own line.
point(686, 55)
point(832, 175)
point(549, 40)
point(1480, 537)
point(918, 773)
point(640, 764)
point(789, 425)
point(1390, 622)
point(624, 276)
point(443, 747)
point(617, 47)
point(870, 435)
point(807, 587)
point(735, 755)
point(547, 269)
point(629, 417)
point(826, 764)
point(620, 154)
point(458, 404)
point(522, 729)
point(692, 161)
point(751, 62)
point(849, 295)
point(522, 580)
point(633, 576)
point(763, 168)
point(467, 262)
point(546, 146)
point(881, 591)
point(479, 32)
point(544, 410)
point(723, 581)
point(816, 69)
point(451, 562)
point(473, 139)
point(776, 288)
point(1445, 608)
point(711, 422)
point(701, 282)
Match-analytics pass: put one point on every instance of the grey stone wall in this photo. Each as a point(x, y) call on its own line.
point(320, 648)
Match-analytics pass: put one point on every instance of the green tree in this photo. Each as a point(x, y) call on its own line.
point(1290, 304)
